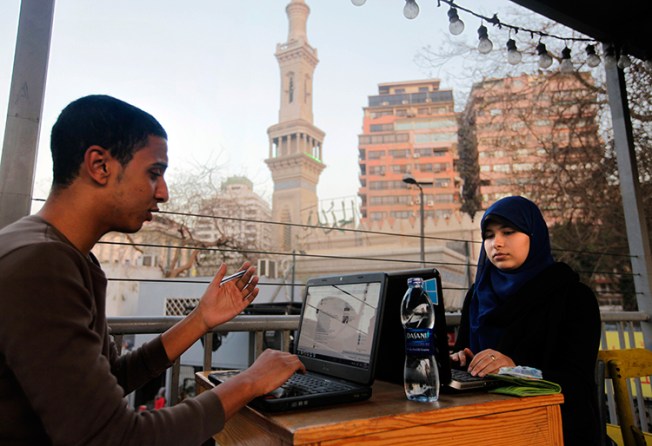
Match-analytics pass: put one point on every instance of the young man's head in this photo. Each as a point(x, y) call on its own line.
point(98, 120)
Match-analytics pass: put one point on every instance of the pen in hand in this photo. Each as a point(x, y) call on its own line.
point(233, 276)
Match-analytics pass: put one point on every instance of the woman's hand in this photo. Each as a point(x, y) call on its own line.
point(489, 361)
point(222, 302)
point(462, 356)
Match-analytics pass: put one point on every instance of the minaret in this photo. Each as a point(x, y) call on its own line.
point(295, 144)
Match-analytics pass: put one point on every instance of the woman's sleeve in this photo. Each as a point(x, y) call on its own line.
point(462, 339)
point(575, 351)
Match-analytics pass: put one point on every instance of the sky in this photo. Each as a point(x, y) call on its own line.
point(207, 71)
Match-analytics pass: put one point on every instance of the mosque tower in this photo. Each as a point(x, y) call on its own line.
point(295, 144)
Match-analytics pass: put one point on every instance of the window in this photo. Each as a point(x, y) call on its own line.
point(522, 167)
point(382, 127)
point(400, 153)
point(401, 214)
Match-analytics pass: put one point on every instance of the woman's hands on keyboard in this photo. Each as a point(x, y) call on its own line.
point(489, 361)
point(462, 357)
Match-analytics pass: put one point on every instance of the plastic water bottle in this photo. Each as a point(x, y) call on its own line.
point(421, 376)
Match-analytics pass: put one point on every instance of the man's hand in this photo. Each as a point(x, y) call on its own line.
point(222, 302)
point(269, 371)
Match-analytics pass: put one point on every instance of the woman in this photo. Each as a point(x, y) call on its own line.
point(526, 309)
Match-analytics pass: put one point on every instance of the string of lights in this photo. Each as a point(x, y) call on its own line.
point(612, 56)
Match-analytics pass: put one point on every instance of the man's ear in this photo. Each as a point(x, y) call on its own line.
point(97, 164)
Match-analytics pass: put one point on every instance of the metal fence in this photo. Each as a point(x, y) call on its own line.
point(622, 330)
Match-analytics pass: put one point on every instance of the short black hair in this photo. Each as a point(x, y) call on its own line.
point(99, 120)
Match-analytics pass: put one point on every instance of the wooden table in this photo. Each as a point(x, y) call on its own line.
point(388, 418)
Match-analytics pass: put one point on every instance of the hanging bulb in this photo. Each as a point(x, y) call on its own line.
point(484, 45)
point(624, 61)
point(592, 58)
point(566, 65)
point(610, 60)
point(513, 55)
point(455, 25)
point(411, 9)
point(545, 60)
point(358, 2)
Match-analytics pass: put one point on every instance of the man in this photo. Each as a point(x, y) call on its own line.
point(61, 380)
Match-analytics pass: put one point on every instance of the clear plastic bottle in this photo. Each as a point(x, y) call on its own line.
point(421, 376)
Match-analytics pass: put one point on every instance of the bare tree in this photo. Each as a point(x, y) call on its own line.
point(576, 181)
point(206, 226)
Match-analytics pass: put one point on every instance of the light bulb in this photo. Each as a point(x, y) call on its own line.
point(514, 56)
point(455, 25)
point(358, 2)
point(592, 59)
point(610, 60)
point(484, 45)
point(566, 65)
point(624, 61)
point(411, 9)
point(544, 58)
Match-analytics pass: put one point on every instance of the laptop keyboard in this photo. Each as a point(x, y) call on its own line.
point(463, 376)
point(300, 384)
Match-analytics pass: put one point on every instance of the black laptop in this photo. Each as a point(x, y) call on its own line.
point(337, 341)
point(391, 356)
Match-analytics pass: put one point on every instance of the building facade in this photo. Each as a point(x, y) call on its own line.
point(534, 133)
point(408, 128)
point(240, 211)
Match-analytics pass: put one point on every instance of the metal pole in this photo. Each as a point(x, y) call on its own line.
point(423, 232)
point(637, 233)
point(294, 260)
point(25, 109)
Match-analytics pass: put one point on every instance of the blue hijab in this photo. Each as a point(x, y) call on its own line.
point(493, 286)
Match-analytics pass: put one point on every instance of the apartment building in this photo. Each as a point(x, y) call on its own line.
point(533, 134)
point(235, 222)
point(408, 128)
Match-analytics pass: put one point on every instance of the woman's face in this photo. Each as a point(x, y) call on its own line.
point(506, 247)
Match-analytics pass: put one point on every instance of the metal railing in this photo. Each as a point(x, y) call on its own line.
point(258, 325)
point(625, 325)
point(619, 330)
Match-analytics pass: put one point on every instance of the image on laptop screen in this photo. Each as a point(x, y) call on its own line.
point(338, 323)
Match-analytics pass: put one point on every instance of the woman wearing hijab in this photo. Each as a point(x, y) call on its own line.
point(526, 309)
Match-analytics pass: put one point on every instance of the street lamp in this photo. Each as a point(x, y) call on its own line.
point(409, 179)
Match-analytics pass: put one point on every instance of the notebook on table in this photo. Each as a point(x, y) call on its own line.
point(337, 341)
point(391, 356)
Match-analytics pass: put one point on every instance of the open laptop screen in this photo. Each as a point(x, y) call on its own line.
point(339, 322)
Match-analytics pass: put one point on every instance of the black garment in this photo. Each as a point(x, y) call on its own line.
point(553, 323)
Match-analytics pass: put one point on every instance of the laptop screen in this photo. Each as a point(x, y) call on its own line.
point(339, 321)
